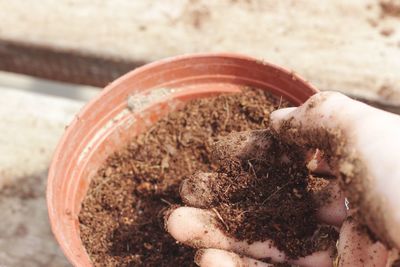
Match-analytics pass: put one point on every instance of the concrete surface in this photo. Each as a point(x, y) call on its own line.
point(30, 127)
point(348, 46)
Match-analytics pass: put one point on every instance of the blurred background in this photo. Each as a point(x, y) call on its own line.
point(55, 55)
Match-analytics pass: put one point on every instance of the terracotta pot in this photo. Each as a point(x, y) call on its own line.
point(106, 123)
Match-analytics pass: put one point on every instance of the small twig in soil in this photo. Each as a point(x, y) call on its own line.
point(166, 201)
point(143, 223)
point(243, 212)
point(252, 168)
point(276, 191)
point(227, 115)
point(148, 133)
point(144, 164)
point(227, 189)
point(280, 103)
point(100, 185)
point(220, 218)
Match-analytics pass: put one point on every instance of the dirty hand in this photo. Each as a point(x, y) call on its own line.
point(362, 145)
point(343, 121)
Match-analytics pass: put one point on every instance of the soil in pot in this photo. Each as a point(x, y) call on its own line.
point(263, 191)
point(121, 220)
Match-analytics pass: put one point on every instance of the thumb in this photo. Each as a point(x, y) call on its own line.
point(317, 123)
point(281, 115)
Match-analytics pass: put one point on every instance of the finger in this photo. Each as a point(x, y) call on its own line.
point(243, 145)
point(222, 258)
point(318, 165)
point(320, 259)
point(319, 115)
point(281, 115)
point(199, 228)
point(320, 110)
point(196, 192)
point(357, 249)
point(331, 203)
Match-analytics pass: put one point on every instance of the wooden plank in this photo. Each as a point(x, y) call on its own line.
point(349, 46)
point(61, 65)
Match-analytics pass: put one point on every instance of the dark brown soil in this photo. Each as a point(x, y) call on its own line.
point(263, 190)
point(121, 217)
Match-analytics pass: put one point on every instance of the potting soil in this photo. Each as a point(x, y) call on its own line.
point(121, 220)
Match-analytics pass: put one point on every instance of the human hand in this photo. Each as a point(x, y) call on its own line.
point(196, 227)
point(199, 225)
point(362, 145)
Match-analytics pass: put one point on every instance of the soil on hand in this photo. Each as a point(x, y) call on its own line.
point(390, 8)
point(263, 191)
point(121, 219)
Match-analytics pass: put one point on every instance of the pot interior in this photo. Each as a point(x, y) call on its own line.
point(132, 104)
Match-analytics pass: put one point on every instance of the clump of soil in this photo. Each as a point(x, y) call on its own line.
point(121, 217)
point(390, 8)
point(262, 191)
